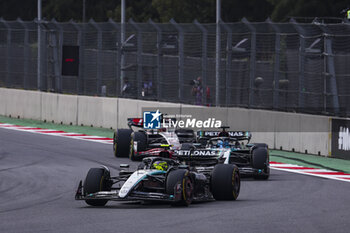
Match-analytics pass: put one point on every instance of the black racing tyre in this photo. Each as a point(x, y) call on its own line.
point(259, 157)
point(96, 180)
point(141, 139)
point(225, 182)
point(121, 142)
point(187, 188)
point(260, 160)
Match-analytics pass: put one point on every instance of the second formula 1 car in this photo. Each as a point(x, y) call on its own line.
point(231, 147)
point(140, 143)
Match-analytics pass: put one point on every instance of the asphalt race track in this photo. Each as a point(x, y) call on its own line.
point(39, 175)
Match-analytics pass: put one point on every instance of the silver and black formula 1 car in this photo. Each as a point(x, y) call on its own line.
point(142, 143)
point(161, 179)
point(231, 147)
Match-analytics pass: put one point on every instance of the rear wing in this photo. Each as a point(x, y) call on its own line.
point(138, 122)
point(239, 135)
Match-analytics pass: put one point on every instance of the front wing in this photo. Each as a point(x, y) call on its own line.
point(132, 196)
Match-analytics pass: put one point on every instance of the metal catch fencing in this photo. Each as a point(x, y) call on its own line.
point(302, 67)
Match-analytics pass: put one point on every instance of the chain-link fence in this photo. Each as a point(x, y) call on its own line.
point(303, 67)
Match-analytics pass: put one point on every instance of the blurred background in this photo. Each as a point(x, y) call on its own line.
point(183, 11)
point(285, 55)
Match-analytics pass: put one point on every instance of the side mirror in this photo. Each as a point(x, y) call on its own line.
point(124, 165)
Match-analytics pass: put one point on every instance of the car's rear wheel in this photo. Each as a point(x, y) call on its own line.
point(260, 161)
point(121, 142)
point(179, 183)
point(96, 180)
point(225, 182)
point(141, 139)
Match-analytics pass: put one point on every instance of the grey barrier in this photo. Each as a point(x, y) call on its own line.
point(280, 130)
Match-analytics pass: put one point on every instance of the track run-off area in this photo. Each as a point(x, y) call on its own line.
point(39, 175)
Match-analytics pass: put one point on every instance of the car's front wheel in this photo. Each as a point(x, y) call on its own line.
point(96, 180)
point(179, 182)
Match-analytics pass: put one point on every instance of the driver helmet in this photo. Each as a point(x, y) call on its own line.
point(160, 165)
point(220, 144)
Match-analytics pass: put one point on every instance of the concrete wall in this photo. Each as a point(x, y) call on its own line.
point(97, 111)
point(289, 131)
point(26, 104)
point(59, 108)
